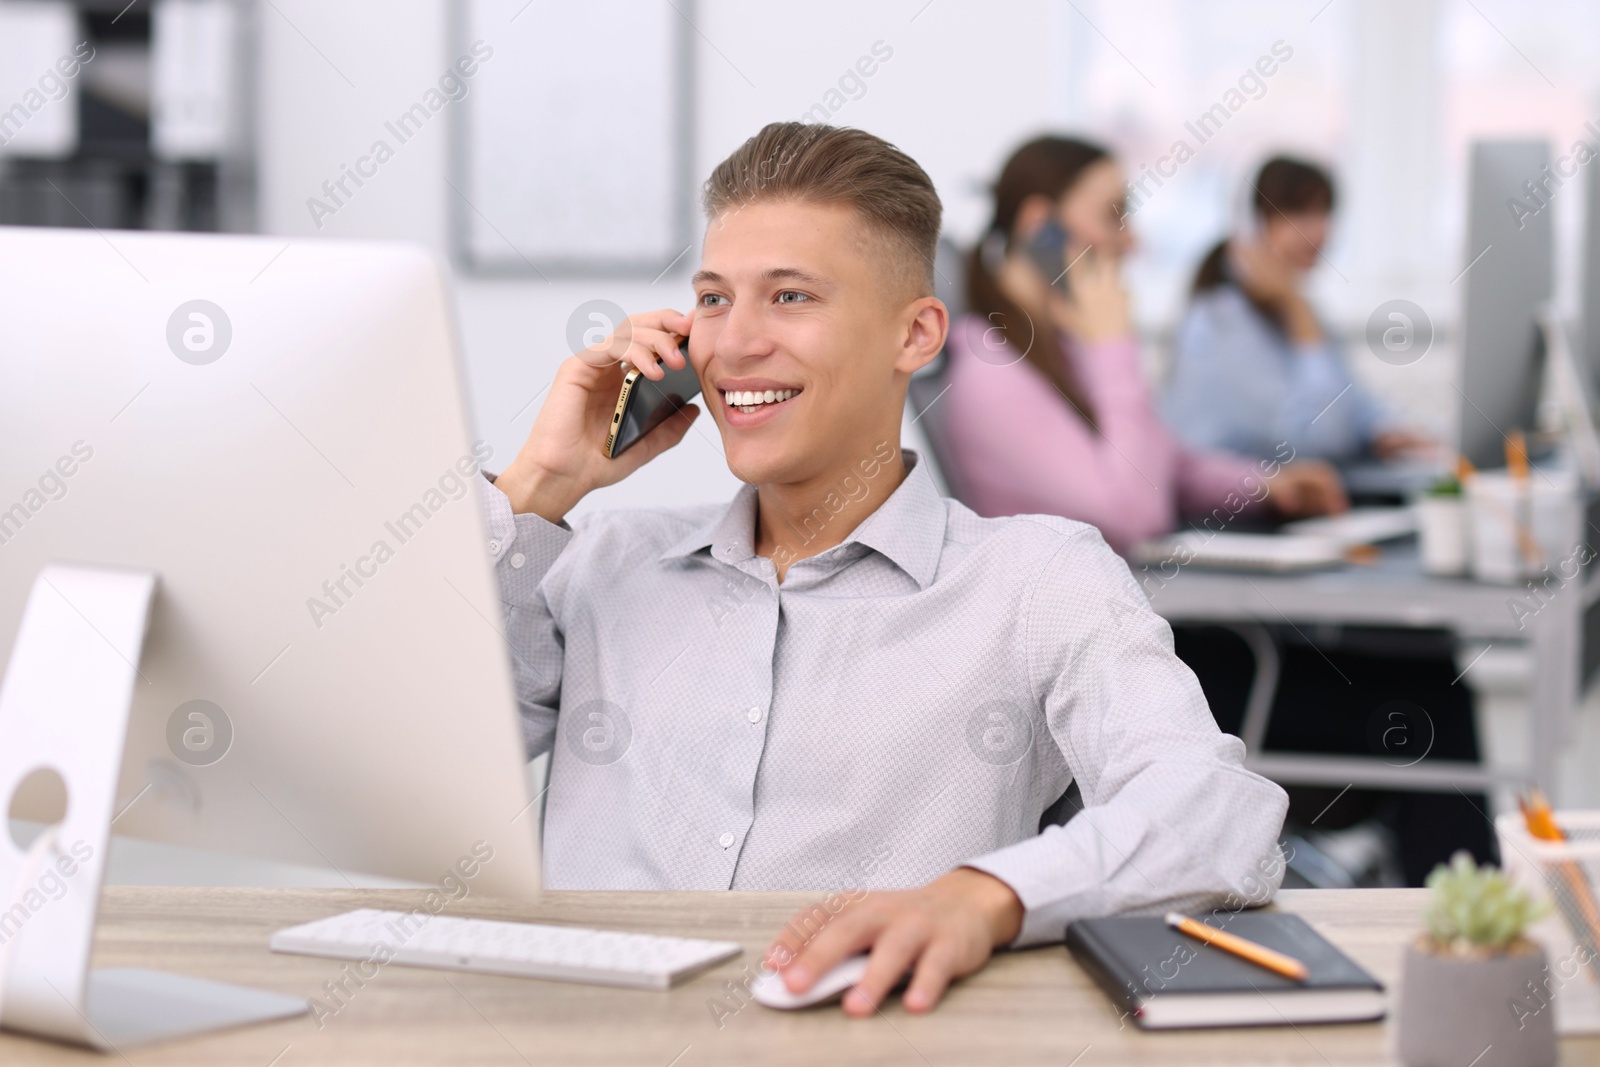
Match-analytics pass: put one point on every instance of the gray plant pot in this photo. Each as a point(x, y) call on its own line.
point(1456, 1011)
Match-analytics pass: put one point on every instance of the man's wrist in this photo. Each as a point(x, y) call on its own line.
point(999, 903)
point(534, 491)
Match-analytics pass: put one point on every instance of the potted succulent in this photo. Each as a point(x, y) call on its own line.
point(1465, 988)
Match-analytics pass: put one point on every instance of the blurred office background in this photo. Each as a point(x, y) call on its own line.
point(595, 130)
point(233, 114)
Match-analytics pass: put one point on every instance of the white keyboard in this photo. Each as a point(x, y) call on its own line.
point(1359, 526)
point(1267, 553)
point(527, 950)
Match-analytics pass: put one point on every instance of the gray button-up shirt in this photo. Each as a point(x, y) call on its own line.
point(904, 703)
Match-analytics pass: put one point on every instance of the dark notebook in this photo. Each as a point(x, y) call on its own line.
point(1165, 979)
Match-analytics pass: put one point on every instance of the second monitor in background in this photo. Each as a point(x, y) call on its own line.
point(1509, 268)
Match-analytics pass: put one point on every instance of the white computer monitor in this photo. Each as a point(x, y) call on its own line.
point(1589, 289)
point(276, 428)
point(1508, 270)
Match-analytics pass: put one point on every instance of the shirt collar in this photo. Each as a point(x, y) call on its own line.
point(730, 534)
point(908, 528)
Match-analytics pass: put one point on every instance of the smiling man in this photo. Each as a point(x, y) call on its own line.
point(842, 681)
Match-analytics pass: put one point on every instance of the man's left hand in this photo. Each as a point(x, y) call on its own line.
point(948, 929)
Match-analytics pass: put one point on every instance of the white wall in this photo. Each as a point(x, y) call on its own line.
point(331, 74)
point(967, 81)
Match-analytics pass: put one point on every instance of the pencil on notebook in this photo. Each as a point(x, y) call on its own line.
point(1245, 949)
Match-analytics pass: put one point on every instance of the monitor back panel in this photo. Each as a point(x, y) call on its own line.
point(278, 430)
point(1501, 353)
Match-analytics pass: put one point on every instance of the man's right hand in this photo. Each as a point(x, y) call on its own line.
point(564, 457)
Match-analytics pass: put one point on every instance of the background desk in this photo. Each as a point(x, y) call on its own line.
point(1032, 1007)
point(1394, 591)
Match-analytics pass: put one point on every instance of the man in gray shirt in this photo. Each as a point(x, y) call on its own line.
point(841, 680)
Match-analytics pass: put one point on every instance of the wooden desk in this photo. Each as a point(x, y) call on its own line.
point(1032, 1007)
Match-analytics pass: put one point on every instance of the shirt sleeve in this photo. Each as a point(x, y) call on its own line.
point(1200, 481)
point(1171, 818)
point(1021, 448)
point(1216, 397)
point(524, 548)
point(1329, 413)
point(1124, 487)
point(1193, 402)
point(1371, 415)
point(1213, 481)
point(1321, 408)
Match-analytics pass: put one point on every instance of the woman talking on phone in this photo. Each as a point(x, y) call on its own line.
point(1254, 365)
point(1048, 412)
point(1047, 409)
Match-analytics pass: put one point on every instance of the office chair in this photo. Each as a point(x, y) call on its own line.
point(929, 383)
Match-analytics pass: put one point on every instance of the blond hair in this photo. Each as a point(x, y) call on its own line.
point(836, 165)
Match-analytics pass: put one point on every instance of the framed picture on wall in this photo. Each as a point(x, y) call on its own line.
point(573, 146)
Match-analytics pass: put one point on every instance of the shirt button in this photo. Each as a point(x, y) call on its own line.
point(494, 546)
point(726, 840)
point(518, 559)
point(754, 714)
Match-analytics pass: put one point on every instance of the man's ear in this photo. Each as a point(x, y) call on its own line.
point(927, 325)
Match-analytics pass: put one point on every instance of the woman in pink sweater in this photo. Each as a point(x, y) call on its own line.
point(1047, 411)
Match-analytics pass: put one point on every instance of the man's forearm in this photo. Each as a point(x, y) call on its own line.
point(1192, 835)
point(535, 492)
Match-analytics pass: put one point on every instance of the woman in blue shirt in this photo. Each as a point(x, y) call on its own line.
point(1253, 367)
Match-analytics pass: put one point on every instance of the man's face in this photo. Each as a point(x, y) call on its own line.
point(799, 299)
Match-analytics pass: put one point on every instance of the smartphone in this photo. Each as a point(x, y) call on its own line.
point(1047, 248)
point(643, 404)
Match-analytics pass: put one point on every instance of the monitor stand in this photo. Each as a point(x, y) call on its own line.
point(64, 707)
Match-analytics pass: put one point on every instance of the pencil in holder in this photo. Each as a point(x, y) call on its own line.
point(1565, 874)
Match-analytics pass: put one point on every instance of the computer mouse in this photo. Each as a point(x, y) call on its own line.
point(770, 991)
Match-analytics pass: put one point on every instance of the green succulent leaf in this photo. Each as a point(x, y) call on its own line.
point(1477, 907)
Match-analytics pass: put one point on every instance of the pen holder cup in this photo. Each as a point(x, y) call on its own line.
point(1565, 874)
point(1518, 529)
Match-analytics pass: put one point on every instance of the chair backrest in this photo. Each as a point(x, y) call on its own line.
point(950, 276)
point(930, 383)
